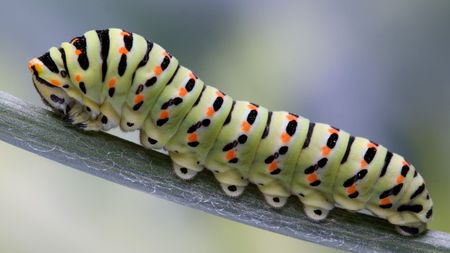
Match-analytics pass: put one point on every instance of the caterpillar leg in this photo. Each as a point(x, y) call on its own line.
point(148, 141)
point(185, 165)
point(231, 182)
point(316, 213)
point(275, 201)
point(274, 193)
point(92, 125)
point(315, 205)
point(411, 223)
point(232, 190)
point(79, 117)
point(76, 115)
point(411, 230)
point(183, 172)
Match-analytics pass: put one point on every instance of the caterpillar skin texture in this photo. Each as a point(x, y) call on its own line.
point(109, 78)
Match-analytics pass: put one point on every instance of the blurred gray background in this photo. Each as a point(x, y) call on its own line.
point(379, 69)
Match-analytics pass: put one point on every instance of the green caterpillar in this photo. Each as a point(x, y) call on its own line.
point(109, 78)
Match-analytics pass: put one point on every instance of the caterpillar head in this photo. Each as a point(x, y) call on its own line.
point(48, 81)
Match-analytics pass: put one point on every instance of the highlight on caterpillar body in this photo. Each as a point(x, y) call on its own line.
point(109, 78)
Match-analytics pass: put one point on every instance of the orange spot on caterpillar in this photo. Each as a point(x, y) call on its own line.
point(138, 98)
point(230, 154)
point(291, 117)
point(400, 179)
point(371, 145)
point(332, 131)
point(252, 107)
point(245, 126)
point(165, 53)
point(74, 40)
point(123, 33)
point(157, 70)
point(191, 75)
point(272, 166)
point(312, 177)
point(182, 92)
point(55, 82)
point(123, 50)
point(38, 67)
point(351, 189)
point(325, 151)
point(192, 137)
point(405, 163)
point(78, 52)
point(164, 114)
point(210, 111)
point(78, 78)
point(111, 83)
point(285, 137)
point(219, 94)
point(385, 201)
point(363, 164)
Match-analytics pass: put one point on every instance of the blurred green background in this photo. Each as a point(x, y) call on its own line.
point(379, 69)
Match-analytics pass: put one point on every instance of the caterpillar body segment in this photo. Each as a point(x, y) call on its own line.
point(150, 79)
point(235, 147)
point(191, 142)
point(171, 107)
point(359, 172)
point(317, 168)
point(109, 78)
point(274, 165)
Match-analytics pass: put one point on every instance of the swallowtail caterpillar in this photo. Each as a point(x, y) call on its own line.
point(109, 78)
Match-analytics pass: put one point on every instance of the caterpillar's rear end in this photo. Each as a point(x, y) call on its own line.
point(109, 78)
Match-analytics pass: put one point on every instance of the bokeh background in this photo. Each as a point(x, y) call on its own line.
point(379, 69)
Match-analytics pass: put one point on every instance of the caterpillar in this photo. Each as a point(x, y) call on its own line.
point(109, 78)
